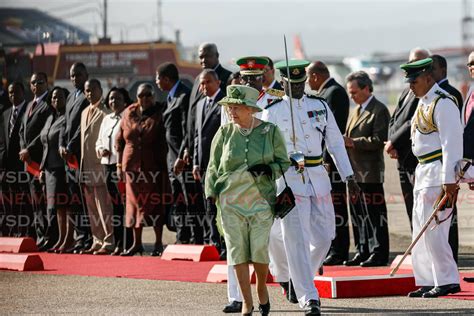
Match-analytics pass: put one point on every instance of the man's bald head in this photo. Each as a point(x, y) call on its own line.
point(317, 72)
point(418, 53)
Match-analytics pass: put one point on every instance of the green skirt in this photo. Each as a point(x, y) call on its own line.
point(246, 219)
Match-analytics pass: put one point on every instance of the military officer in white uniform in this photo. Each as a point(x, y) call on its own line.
point(437, 143)
point(308, 229)
point(252, 71)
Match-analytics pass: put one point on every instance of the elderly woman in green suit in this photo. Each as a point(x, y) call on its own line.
point(247, 156)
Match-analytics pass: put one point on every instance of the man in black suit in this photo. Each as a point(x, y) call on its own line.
point(398, 145)
point(269, 81)
point(70, 151)
point(208, 116)
point(14, 189)
point(209, 59)
point(440, 72)
point(31, 153)
point(174, 117)
point(320, 81)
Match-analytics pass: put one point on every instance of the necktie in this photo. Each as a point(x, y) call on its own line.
point(356, 116)
point(469, 107)
point(169, 99)
point(206, 108)
point(32, 108)
point(13, 121)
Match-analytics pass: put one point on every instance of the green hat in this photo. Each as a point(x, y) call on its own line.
point(416, 68)
point(243, 95)
point(252, 65)
point(297, 69)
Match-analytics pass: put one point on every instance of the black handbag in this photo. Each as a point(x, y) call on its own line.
point(285, 201)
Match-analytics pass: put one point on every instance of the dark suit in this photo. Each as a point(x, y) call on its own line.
point(53, 166)
point(207, 123)
point(369, 132)
point(399, 135)
point(33, 122)
point(452, 91)
point(175, 117)
point(468, 129)
point(15, 190)
point(70, 138)
point(338, 102)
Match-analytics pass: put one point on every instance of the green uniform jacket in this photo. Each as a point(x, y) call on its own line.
point(230, 151)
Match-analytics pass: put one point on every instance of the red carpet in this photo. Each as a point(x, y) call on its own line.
point(153, 268)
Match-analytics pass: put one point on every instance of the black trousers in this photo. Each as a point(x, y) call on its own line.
point(80, 217)
point(370, 222)
point(123, 238)
point(340, 244)
point(17, 213)
point(406, 183)
point(183, 229)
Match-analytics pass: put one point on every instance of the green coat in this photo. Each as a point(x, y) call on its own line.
point(231, 152)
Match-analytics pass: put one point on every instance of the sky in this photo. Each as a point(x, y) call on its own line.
point(239, 28)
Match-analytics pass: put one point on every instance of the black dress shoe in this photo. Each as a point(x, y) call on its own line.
point(312, 307)
point(419, 293)
point(373, 261)
point(333, 260)
point(158, 251)
point(265, 308)
point(233, 307)
point(289, 292)
point(442, 290)
point(358, 258)
point(468, 280)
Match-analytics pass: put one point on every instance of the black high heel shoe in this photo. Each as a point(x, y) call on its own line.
point(265, 308)
point(158, 251)
point(132, 251)
point(249, 313)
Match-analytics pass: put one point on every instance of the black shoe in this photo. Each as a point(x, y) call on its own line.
point(158, 251)
point(312, 307)
point(234, 307)
point(77, 249)
point(468, 280)
point(358, 258)
point(333, 260)
point(419, 293)
point(373, 261)
point(265, 308)
point(132, 251)
point(442, 290)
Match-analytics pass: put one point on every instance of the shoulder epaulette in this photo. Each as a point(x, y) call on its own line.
point(312, 96)
point(443, 95)
point(275, 101)
point(275, 92)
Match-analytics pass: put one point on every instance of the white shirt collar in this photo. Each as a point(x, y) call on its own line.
point(442, 80)
point(430, 95)
point(364, 105)
point(38, 99)
point(323, 84)
point(213, 97)
point(271, 85)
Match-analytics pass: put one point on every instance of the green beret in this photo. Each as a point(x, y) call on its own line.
point(241, 95)
point(297, 69)
point(416, 68)
point(252, 65)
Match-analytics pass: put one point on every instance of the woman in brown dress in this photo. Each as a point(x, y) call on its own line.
point(142, 149)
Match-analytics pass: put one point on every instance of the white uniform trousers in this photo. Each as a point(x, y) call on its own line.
point(276, 248)
point(432, 257)
point(307, 234)
point(233, 289)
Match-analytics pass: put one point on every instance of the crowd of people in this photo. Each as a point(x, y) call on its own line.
point(83, 173)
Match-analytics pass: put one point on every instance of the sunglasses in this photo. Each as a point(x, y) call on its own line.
point(248, 78)
point(37, 82)
point(471, 64)
point(145, 95)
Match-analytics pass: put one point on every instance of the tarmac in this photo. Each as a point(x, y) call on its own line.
point(27, 293)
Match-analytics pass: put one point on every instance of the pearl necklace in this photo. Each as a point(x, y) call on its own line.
point(246, 131)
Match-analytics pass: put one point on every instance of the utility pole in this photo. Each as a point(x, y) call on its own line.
point(159, 21)
point(104, 19)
